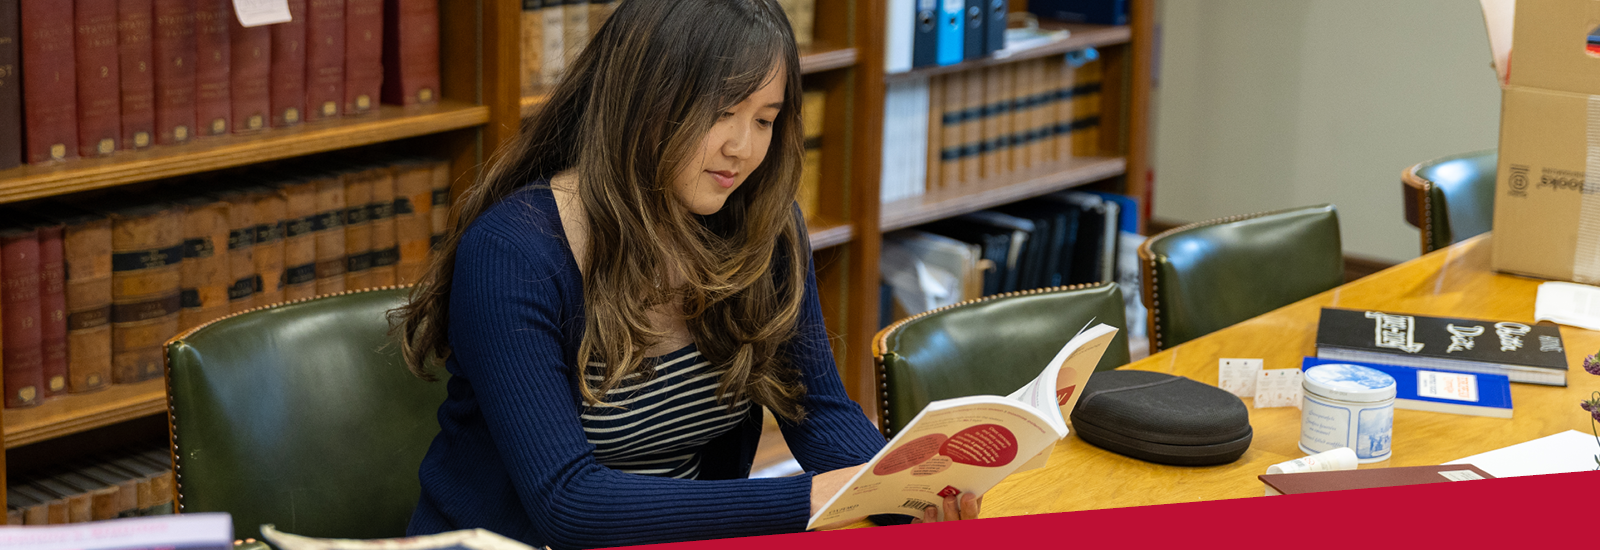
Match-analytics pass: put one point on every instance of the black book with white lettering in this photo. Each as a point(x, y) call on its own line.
point(1531, 354)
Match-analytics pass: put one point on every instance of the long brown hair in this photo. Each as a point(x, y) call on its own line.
point(633, 108)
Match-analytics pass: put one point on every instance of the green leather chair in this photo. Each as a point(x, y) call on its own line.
point(1205, 276)
point(301, 415)
point(988, 346)
point(1451, 198)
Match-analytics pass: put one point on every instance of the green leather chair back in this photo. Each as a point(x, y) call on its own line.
point(988, 346)
point(1205, 276)
point(301, 415)
point(1451, 198)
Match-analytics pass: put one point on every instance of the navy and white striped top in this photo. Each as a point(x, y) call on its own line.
point(660, 418)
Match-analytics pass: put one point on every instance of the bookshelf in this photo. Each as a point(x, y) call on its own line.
point(461, 127)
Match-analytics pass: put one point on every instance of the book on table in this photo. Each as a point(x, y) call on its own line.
point(970, 444)
point(1340, 480)
point(1532, 354)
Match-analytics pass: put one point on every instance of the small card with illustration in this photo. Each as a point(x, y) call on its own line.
point(1278, 388)
point(1238, 376)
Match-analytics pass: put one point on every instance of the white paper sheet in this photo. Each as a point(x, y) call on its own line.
point(1568, 304)
point(255, 13)
point(1568, 451)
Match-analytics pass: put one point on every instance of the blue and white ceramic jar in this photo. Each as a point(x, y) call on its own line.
point(1347, 406)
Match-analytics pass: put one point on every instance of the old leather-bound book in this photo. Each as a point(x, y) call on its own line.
point(532, 42)
point(205, 274)
point(52, 304)
point(328, 231)
point(413, 219)
point(20, 331)
point(213, 106)
point(363, 56)
point(49, 83)
point(99, 104)
point(241, 248)
point(86, 248)
point(441, 202)
point(271, 209)
point(10, 85)
point(299, 242)
point(251, 71)
point(175, 51)
point(289, 67)
point(385, 248)
point(324, 58)
point(357, 228)
point(411, 51)
point(136, 62)
point(146, 256)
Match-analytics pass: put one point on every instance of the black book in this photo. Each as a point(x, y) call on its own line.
point(975, 43)
point(925, 34)
point(1532, 354)
point(1090, 243)
point(1018, 243)
point(994, 29)
point(1042, 259)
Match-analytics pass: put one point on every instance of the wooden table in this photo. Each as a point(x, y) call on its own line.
point(1455, 282)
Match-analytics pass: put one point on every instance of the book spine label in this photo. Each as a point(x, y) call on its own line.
point(299, 242)
point(49, 83)
point(357, 231)
point(411, 51)
point(385, 246)
point(270, 209)
point(328, 228)
point(363, 56)
point(146, 254)
point(174, 48)
point(205, 275)
point(413, 219)
point(88, 283)
point(99, 107)
point(251, 72)
point(214, 58)
point(10, 84)
point(136, 72)
point(325, 27)
point(20, 326)
point(288, 80)
point(53, 310)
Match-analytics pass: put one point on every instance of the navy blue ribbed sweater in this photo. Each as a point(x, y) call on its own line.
point(511, 455)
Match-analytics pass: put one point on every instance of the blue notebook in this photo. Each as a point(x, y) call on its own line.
point(1438, 390)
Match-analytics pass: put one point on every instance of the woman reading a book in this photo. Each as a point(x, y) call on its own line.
point(627, 288)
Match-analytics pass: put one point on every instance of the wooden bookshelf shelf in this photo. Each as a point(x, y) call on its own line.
point(810, 62)
point(939, 205)
point(829, 233)
point(1083, 36)
point(391, 123)
point(81, 412)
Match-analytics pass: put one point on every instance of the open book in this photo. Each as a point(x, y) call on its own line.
point(969, 444)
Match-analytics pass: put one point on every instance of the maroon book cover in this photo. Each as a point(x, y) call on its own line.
point(20, 329)
point(411, 52)
point(212, 107)
point(99, 93)
point(252, 75)
point(174, 47)
point(363, 55)
point(324, 59)
point(10, 85)
point(49, 83)
point(289, 67)
point(53, 308)
point(137, 61)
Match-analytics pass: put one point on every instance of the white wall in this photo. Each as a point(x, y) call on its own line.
point(1267, 104)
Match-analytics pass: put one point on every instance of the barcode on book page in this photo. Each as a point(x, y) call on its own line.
point(914, 504)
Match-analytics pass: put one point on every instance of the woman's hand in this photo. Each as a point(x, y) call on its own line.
point(827, 484)
point(967, 509)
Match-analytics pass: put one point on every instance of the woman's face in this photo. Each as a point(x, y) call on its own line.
point(734, 147)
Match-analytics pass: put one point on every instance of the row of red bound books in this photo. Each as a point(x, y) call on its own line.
point(93, 286)
point(101, 76)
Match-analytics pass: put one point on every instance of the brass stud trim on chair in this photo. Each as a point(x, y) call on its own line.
point(172, 427)
point(1151, 264)
point(880, 343)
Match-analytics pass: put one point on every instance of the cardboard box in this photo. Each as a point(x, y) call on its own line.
point(1547, 209)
